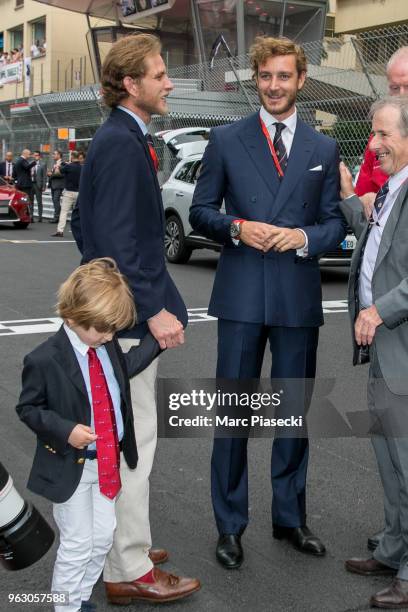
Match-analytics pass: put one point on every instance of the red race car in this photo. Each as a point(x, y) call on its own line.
point(14, 206)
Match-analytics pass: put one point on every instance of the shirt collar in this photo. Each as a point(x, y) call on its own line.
point(76, 342)
point(269, 119)
point(397, 180)
point(138, 120)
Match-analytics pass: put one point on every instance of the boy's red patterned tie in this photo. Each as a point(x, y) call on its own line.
point(107, 443)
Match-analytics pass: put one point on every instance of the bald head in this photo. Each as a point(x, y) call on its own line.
point(25, 153)
point(397, 73)
point(9, 156)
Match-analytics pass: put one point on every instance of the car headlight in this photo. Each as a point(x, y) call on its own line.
point(24, 199)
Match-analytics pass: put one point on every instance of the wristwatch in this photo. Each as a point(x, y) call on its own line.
point(235, 228)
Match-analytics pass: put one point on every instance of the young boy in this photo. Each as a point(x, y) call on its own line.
point(76, 398)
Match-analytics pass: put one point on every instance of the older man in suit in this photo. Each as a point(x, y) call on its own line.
point(7, 168)
point(378, 304)
point(280, 182)
point(22, 176)
point(39, 179)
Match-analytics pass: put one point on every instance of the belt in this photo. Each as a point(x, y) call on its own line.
point(93, 454)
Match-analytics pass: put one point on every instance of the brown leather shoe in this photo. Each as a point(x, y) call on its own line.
point(394, 597)
point(368, 567)
point(165, 587)
point(158, 555)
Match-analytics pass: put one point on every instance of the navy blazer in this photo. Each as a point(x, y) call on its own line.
point(279, 289)
point(121, 216)
point(54, 399)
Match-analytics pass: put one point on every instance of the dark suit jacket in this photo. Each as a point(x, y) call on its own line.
point(41, 176)
point(279, 289)
point(22, 173)
point(56, 180)
point(121, 216)
point(54, 399)
point(3, 168)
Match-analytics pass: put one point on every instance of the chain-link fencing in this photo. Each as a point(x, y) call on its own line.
point(345, 75)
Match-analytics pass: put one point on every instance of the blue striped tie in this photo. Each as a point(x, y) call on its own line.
point(380, 197)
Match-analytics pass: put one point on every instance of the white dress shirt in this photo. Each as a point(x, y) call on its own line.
point(81, 353)
point(374, 238)
point(287, 138)
point(287, 134)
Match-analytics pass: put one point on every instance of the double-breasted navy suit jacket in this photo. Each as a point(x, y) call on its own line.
point(121, 216)
point(276, 289)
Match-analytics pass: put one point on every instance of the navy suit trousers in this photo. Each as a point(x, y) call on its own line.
point(241, 348)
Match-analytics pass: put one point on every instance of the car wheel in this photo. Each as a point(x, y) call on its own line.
point(174, 241)
point(21, 224)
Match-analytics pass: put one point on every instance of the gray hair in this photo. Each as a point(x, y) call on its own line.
point(399, 102)
point(400, 54)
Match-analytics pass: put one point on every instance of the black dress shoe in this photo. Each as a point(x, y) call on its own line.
point(39, 219)
point(53, 221)
point(374, 540)
point(301, 538)
point(229, 550)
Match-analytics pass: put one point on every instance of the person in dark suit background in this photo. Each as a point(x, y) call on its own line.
point(57, 184)
point(280, 182)
point(121, 216)
point(7, 168)
point(72, 174)
point(59, 401)
point(22, 177)
point(39, 181)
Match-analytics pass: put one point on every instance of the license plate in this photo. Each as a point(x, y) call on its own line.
point(349, 243)
point(4, 209)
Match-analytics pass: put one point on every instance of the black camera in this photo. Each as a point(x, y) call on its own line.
point(25, 536)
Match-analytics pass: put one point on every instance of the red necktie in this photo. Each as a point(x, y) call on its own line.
point(107, 443)
point(152, 151)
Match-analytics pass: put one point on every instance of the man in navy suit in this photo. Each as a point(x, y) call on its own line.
point(7, 168)
point(280, 183)
point(121, 216)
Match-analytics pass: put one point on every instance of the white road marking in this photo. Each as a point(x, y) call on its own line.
point(50, 325)
point(29, 241)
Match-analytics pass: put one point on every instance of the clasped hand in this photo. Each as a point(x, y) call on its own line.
point(167, 329)
point(265, 237)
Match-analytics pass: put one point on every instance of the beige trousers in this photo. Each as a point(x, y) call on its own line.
point(128, 558)
point(68, 201)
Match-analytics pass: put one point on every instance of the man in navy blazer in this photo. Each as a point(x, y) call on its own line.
point(121, 216)
point(280, 183)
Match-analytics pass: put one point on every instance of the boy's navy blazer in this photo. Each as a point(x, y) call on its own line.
point(54, 399)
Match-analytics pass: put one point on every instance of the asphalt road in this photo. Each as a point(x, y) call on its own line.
point(344, 494)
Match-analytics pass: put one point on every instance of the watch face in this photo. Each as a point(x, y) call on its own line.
point(235, 230)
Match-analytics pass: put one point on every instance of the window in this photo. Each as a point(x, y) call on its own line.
point(182, 174)
point(16, 43)
point(38, 38)
point(330, 26)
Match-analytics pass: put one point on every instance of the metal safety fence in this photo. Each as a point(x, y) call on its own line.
point(345, 75)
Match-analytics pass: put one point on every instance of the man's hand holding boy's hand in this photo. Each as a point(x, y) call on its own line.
point(81, 436)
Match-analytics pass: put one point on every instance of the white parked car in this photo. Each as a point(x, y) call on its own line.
point(188, 144)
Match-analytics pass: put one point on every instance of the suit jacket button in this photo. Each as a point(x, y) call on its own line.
point(81, 460)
